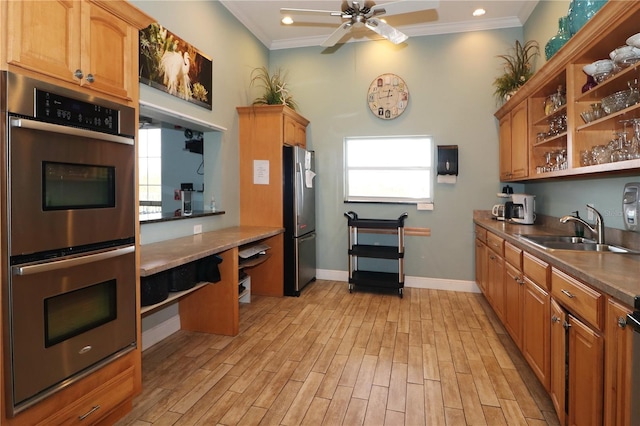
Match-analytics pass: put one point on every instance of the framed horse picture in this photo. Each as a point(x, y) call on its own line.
point(172, 65)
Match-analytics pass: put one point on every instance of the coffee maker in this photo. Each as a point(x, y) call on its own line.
point(521, 209)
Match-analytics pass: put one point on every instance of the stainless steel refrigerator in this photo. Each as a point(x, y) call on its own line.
point(299, 219)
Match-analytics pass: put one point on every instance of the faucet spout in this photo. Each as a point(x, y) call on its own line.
point(597, 228)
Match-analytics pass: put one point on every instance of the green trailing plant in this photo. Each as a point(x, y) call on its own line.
point(274, 86)
point(517, 69)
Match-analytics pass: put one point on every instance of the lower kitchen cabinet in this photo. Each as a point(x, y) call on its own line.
point(495, 283)
point(535, 330)
point(577, 369)
point(514, 301)
point(617, 367)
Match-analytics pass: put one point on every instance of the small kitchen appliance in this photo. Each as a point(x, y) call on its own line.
point(498, 211)
point(522, 209)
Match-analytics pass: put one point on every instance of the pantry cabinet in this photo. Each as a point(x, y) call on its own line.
point(557, 141)
point(93, 45)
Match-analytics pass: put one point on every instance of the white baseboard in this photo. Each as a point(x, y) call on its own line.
point(414, 282)
point(161, 331)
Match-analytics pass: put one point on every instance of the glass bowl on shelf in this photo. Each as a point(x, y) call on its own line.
point(616, 102)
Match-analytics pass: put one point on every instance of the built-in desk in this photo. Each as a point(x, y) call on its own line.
point(213, 307)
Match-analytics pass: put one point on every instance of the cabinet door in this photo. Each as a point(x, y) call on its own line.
point(586, 375)
point(505, 148)
point(108, 49)
point(481, 266)
point(44, 36)
point(558, 361)
point(514, 300)
point(495, 283)
point(535, 330)
point(295, 134)
point(519, 141)
point(617, 368)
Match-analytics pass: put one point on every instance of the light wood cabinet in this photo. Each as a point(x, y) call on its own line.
point(513, 296)
point(89, 44)
point(514, 144)
point(605, 31)
point(558, 384)
point(295, 132)
point(536, 329)
point(617, 378)
point(495, 273)
point(481, 265)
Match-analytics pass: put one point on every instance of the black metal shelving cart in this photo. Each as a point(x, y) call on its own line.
point(370, 278)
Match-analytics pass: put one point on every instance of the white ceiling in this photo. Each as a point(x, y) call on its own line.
point(262, 18)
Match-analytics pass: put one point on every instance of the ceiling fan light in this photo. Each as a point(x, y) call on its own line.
point(287, 20)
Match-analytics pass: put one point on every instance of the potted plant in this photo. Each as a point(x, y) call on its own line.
point(517, 69)
point(274, 85)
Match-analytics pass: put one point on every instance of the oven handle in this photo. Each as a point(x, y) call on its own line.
point(73, 131)
point(67, 263)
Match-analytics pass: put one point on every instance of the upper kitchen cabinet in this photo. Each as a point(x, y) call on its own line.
point(514, 144)
point(92, 44)
point(263, 131)
point(560, 142)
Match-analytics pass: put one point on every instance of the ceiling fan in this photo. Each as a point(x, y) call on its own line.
point(358, 14)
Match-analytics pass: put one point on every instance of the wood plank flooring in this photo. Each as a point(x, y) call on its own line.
point(330, 358)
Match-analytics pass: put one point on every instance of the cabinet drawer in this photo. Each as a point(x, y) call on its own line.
point(495, 243)
point(536, 270)
point(513, 255)
point(578, 297)
point(97, 403)
point(481, 234)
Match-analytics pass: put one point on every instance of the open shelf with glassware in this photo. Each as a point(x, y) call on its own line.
point(575, 147)
point(359, 275)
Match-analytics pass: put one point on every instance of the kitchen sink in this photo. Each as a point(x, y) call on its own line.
point(560, 242)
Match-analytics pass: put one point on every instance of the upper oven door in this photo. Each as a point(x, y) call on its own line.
point(69, 187)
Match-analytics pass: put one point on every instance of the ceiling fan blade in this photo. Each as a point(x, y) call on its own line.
point(326, 12)
point(400, 7)
point(337, 35)
point(386, 30)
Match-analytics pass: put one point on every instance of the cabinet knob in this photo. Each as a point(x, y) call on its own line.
point(90, 78)
point(555, 319)
point(78, 74)
point(622, 322)
point(566, 293)
point(566, 325)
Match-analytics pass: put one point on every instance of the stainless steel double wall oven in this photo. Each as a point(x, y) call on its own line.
point(68, 236)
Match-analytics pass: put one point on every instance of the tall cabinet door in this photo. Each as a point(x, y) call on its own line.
point(535, 330)
point(558, 361)
point(520, 141)
point(505, 148)
point(586, 365)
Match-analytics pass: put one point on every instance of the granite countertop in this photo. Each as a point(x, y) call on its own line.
point(612, 273)
point(163, 255)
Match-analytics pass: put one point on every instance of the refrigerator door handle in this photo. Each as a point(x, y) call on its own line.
point(300, 188)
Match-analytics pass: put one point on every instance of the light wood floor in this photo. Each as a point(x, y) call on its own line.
point(330, 357)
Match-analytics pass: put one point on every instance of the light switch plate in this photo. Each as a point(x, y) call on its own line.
point(197, 229)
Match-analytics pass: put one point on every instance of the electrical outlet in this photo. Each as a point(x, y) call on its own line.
point(197, 229)
point(590, 212)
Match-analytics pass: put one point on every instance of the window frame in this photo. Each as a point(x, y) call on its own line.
point(385, 199)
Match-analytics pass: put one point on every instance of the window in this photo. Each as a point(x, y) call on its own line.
point(389, 169)
point(150, 170)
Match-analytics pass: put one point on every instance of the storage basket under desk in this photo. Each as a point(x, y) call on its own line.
point(361, 277)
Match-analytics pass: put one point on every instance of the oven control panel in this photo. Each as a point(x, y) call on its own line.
point(58, 109)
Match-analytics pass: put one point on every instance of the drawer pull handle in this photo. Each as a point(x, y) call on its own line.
point(566, 293)
point(622, 322)
point(88, 413)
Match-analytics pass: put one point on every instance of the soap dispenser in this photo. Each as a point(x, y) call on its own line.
point(630, 201)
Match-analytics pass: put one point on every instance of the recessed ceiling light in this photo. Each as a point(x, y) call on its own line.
point(479, 12)
point(287, 20)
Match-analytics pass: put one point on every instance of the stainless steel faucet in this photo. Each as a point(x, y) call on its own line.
point(597, 228)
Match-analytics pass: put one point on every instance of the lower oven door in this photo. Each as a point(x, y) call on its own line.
point(67, 316)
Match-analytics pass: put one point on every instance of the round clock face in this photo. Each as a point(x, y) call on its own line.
point(388, 96)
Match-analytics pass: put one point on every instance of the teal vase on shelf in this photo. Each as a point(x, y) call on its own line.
point(580, 11)
point(557, 41)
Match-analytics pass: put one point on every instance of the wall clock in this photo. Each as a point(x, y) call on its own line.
point(388, 96)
